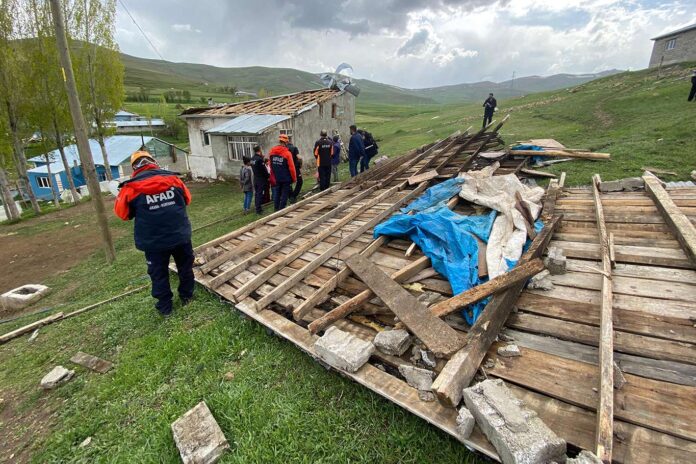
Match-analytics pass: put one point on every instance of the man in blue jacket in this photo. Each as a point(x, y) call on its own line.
point(356, 150)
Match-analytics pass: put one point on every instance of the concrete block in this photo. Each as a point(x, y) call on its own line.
point(58, 376)
point(541, 281)
point(509, 351)
point(394, 342)
point(622, 185)
point(343, 350)
point(92, 362)
point(517, 434)
point(465, 422)
point(428, 359)
point(23, 296)
point(198, 436)
point(555, 261)
point(585, 457)
point(422, 379)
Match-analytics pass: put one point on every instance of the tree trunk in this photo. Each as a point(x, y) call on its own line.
point(105, 156)
point(20, 159)
point(97, 118)
point(81, 131)
point(8, 201)
point(66, 165)
point(51, 180)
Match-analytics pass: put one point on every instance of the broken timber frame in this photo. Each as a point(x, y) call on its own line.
point(605, 409)
point(461, 368)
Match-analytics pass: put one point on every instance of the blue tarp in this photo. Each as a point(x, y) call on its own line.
point(535, 159)
point(435, 195)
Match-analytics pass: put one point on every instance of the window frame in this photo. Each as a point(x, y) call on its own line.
point(239, 146)
point(41, 180)
point(334, 110)
point(671, 44)
point(205, 138)
point(100, 175)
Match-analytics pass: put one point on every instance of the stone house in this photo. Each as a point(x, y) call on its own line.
point(674, 47)
point(220, 136)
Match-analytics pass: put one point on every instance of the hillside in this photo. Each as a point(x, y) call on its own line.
point(203, 80)
point(641, 120)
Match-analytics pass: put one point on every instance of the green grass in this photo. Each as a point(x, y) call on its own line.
point(279, 406)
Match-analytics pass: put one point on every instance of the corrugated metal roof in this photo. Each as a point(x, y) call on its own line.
point(118, 147)
point(141, 123)
point(283, 104)
point(125, 113)
point(678, 31)
point(248, 124)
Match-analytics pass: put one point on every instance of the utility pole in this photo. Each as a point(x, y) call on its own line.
point(83, 148)
point(512, 82)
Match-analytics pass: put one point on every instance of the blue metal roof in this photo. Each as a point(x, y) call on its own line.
point(118, 147)
point(248, 124)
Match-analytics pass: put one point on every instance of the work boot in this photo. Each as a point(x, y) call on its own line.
point(165, 309)
point(185, 301)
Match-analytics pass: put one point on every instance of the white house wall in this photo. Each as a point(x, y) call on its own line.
point(200, 159)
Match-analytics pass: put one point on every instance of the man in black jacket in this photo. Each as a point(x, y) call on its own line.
point(488, 109)
point(322, 152)
point(294, 193)
point(692, 94)
point(261, 175)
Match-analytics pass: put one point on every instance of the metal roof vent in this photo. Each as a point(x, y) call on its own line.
point(338, 81)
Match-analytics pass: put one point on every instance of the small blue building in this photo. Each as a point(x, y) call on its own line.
point(119, 149)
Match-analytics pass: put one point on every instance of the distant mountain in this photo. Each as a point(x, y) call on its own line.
point(202, 79)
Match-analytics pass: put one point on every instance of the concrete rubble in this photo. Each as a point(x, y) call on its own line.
point(585, 457)
point(541, 281)
point(421, 379)
point(23, 296)
point(428, 359)
point(465, 422)
point(622, 185)
point(198, 436)
point(517, 434)
point(394, 342)
point(343, 350)
point(58, 376)
point(92, 362)
point(509, 351)
point(555, 261)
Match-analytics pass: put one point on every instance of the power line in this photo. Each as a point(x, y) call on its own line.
point(141, 30)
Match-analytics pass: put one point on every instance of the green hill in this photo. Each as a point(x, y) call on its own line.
point(643, 120)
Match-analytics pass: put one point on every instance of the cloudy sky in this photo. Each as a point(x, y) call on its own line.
point(409, 43)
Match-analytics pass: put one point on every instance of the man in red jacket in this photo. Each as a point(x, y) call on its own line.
point(282, 171)
point(157, 200)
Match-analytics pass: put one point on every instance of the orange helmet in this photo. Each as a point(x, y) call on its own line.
point(284, 138)
point(139, 155)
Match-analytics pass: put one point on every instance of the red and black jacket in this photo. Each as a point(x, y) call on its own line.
point(157, 200)
point(322, 151)
point(282, 165)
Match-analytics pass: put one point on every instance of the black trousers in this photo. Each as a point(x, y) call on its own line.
point(487, 117)
point(324, 177)
point(692, 94)
point(259, 193)
point(158, 269)
point(282, 195)
point(296, 191)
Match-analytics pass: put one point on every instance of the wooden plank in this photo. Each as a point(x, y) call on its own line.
point(461, 368)
point(6, 337)
point(562, 154)
point(535, 173)
point(418, 178)
point(628, 254)
point(661, 406)
point(439, 337)
point(605, 409)
point(353, 304)
point(309, 268)
point(680, 225)
point(475, 294)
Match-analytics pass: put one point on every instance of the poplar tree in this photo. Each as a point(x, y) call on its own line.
point(11, 210)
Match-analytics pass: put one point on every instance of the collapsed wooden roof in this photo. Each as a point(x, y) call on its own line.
point(288, 271)
point(289, 104)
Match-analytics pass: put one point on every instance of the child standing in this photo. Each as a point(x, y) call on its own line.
point(246, 183)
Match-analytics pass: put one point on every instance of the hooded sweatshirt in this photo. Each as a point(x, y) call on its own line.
point(282, 165)
point(157, 200)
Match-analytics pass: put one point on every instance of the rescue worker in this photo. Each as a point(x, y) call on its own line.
point(298, 171)
point(489, 107)
point(371, 149)
point(335, 157)
point(323, 149)
point(356, 150)
point(157, 200)
point(282, 171)
point(261, 175)
point(692, 94)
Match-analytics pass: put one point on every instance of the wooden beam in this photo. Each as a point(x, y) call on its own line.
point(30, 327)
point(475, 294)
point(267, 251)
point(562, 153)
point(345, 241)
point(535, 173)
point(552, 193)
point(605, 409)
point(363, 297)
point(418, 178)
point(681, 227)
point(439, 337)
point(461, 368)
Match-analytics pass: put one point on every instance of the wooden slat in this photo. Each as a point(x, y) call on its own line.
point(681, 226)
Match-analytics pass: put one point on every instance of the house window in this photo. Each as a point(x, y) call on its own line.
point(43, 182)
point(321, 110)
point(238, 147)
point(334, 110)
point(287, 132)
point(205, 138)
point(101, 175)
point(671, 44)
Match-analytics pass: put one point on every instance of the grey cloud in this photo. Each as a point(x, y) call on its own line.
point(416, 44)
